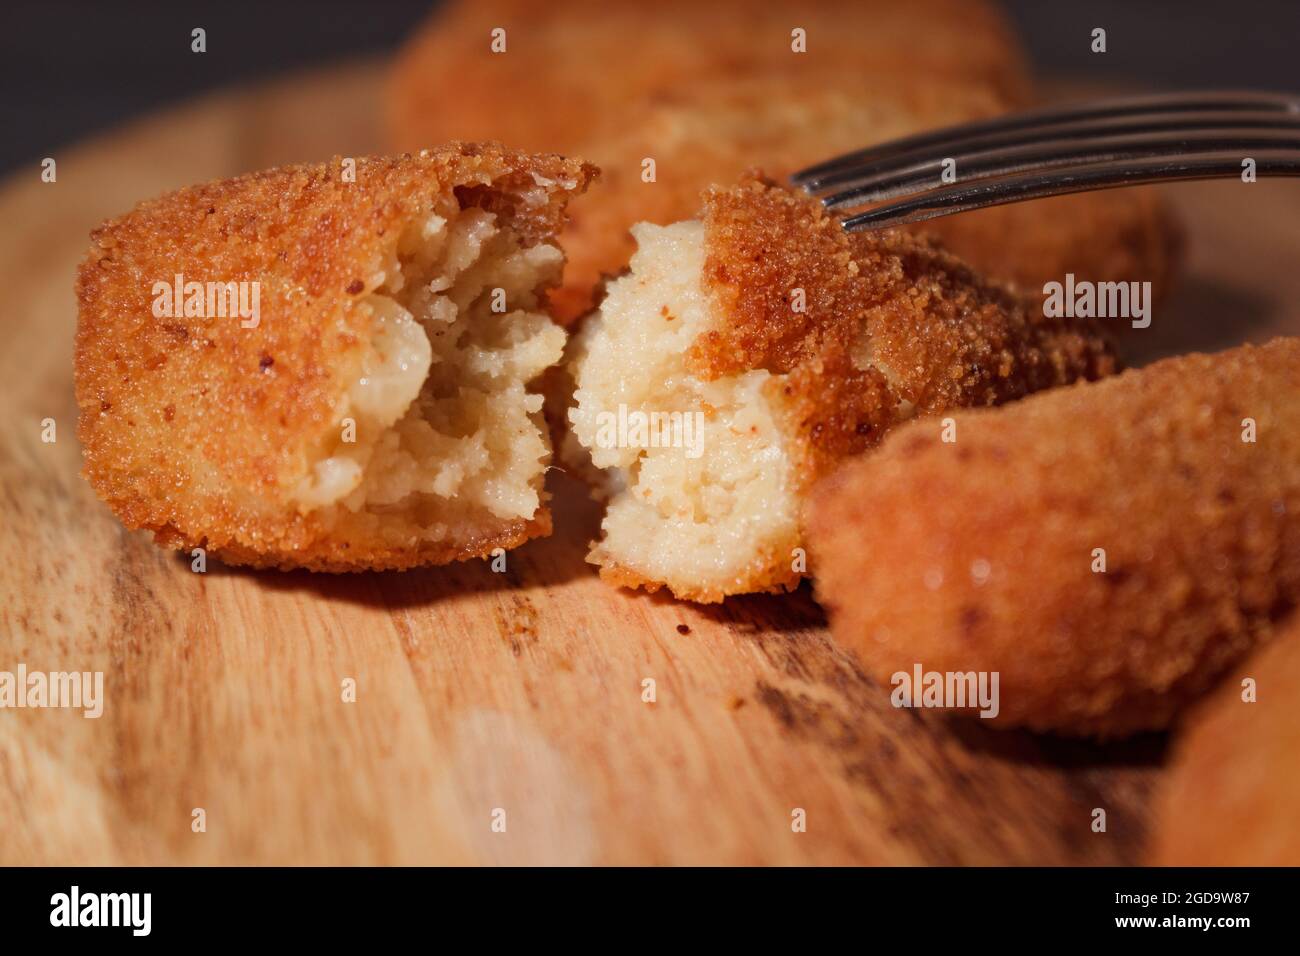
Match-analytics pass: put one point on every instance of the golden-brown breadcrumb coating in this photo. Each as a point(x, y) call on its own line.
point(198, 429)
point(892, 326)
point(948, 337)
point(1232, 793)
point(979, 553)
point(711, 90)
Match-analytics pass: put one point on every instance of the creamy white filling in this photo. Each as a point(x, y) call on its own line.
point(675, 513)
point(441, 406)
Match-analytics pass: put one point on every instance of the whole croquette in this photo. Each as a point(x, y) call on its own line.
point(760, 346)
point(708, 91)
point(1231, 796)
point(1109, 549)
point(328, 366)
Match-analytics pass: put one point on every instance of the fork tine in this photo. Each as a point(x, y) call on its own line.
point(1004, 129)
point(1038, 184)
point(1061, 133)
point(1046, 155)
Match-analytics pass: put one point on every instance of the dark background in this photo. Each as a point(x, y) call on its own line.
point(75, 67)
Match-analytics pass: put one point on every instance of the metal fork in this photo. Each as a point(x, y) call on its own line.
point(1102, 145)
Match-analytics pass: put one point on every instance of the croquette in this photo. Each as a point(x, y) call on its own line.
point(369, 404)
point(1108, 548)
point(757, 347)
point(1231, 796)
point(708, 91)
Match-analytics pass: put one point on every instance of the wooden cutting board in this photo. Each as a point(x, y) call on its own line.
point(479, 692)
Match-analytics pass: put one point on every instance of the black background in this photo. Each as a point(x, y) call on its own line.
point(917, 910)
point(74, 67)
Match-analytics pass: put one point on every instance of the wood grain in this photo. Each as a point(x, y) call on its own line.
point(477, 691)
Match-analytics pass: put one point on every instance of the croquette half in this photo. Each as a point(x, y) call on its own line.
point(1109, 548)
point(374, 410)
point(761, 345)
